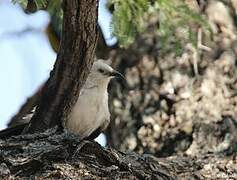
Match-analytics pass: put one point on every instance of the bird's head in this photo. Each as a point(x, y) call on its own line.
point(101, 73)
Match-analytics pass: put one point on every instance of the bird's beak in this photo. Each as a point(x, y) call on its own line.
point(117, 74)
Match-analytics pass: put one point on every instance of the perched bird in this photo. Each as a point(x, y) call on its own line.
point(90, 115)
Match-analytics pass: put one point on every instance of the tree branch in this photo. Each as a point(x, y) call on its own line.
point(50, 155)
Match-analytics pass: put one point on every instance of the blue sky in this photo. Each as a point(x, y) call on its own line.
point(104, 20)
point(26, 56)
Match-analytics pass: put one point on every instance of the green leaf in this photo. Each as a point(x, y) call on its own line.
point(23, 3)
point(130, 18)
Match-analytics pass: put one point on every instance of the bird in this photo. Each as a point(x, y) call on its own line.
point(90, 115)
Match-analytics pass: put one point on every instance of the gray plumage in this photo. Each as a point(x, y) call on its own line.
point(91, 111)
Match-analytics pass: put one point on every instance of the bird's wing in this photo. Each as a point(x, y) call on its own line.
point(94, 134)
point(99, 130)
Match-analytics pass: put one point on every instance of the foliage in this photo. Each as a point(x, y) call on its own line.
point(52, 7)
point(23, 3)
point(39, 3)
point(130, 18)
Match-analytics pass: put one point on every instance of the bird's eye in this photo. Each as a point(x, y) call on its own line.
point(101, 71)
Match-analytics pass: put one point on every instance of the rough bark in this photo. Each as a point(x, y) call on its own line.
point(74, 60)
point(60, 156)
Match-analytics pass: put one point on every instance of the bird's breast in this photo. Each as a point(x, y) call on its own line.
point(89, 113)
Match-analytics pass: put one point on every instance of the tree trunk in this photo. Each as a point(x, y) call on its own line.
point(74, 61)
